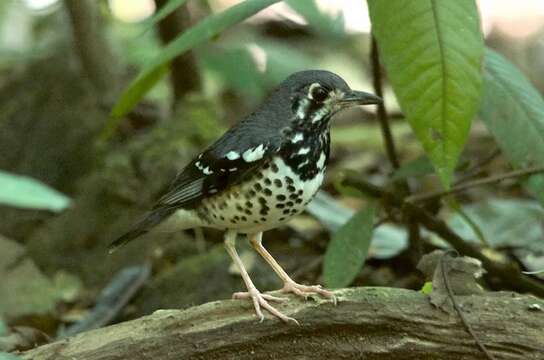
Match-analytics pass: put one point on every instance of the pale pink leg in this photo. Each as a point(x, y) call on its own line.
point(289, 285)
point(259, 300)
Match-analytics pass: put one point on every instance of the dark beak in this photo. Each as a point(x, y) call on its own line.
point(354, 97)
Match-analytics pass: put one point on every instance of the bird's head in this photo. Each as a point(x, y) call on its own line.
point(316, 95)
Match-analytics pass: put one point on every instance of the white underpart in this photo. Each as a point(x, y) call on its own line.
point(321, 161)
point(232, 155)
point(298, 137)
point(309, 188)
point(303, 151)
point(254, 154)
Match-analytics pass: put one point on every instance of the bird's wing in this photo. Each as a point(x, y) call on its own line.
point(238, 151)
point(223, 164)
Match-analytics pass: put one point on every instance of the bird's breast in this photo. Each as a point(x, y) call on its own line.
point(264, 200)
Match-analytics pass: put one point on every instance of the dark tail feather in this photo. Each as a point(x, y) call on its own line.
point(151, 220)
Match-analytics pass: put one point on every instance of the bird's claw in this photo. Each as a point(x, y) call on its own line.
point(261, 301)
point(307, 290)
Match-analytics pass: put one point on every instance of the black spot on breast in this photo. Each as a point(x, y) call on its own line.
point(260, 175)
point(267, 192)
point(267, 182)
point(249, 204)
point(280, 206)
point(239, 207)
point(285, 211)
point(258, 186)
point(291, 188)
point(300, 192)
point(280, 197)
point(282, 218)
point(222, 217)
point(243, 218)
point(298, 201)
point(289, 204)
point(251, 194)
point(293, 196)
point(278, 183)
point(266, 166)
point(289, 181)
point(236, 218)
point(263, 211)
point(274, 168)
point(263, 219)
point(262, 200)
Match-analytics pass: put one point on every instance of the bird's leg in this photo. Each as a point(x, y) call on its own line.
point(289, 285)
point(259, 300)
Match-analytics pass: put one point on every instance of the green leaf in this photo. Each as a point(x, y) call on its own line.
point(28, 193)
point(348, 249)
point(196, 35)
point(164, 11)
point(432, 51)
point(513, 111)
point(427, 288)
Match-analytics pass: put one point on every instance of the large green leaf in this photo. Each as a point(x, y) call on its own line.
point(205, 30)
point(513, 111)
point(348, 249)
point(25, 192)
point(432, 51)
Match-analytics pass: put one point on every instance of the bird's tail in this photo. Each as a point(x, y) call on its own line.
point(151, 220)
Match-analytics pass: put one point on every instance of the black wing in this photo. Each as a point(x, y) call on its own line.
point(225, 163)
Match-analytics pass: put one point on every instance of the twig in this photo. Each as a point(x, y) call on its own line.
point(488, 180)
point(457, 307)
point(478, 167)
point(507, 272)
point(401, 186)
point(382, 113)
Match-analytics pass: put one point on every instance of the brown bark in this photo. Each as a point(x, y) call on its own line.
point(92, 47)
point(184, 74)
point(369, 323)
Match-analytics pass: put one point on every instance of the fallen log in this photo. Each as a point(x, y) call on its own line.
point(367, 323)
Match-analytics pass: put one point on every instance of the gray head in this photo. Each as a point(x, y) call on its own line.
point(316, 95)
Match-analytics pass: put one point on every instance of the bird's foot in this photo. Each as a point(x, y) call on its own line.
point(306, 290)
point(261, 301)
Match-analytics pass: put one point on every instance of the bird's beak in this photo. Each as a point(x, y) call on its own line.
point(354, 97)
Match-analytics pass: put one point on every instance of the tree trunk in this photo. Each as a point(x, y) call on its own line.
point(368, 323)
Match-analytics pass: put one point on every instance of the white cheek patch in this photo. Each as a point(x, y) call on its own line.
point(254, 154)
point(320, 114)
point(311, 89)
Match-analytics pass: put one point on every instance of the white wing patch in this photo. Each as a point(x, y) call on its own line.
point(254, 154)
point(232, 155)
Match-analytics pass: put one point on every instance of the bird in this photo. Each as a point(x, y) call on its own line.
point(262, 172)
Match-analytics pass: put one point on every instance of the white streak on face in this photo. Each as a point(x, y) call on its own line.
point(298, 137)
point(303, 151)
point(254, 154)
point(232, 155)
point(311, 89)
point(302, 108)
point(207, 171)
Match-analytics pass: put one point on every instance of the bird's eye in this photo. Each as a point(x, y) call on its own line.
point(319, 94)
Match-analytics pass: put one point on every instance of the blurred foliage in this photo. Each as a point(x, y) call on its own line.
point(513, 111)
point(25, 192)
point(348, 248)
